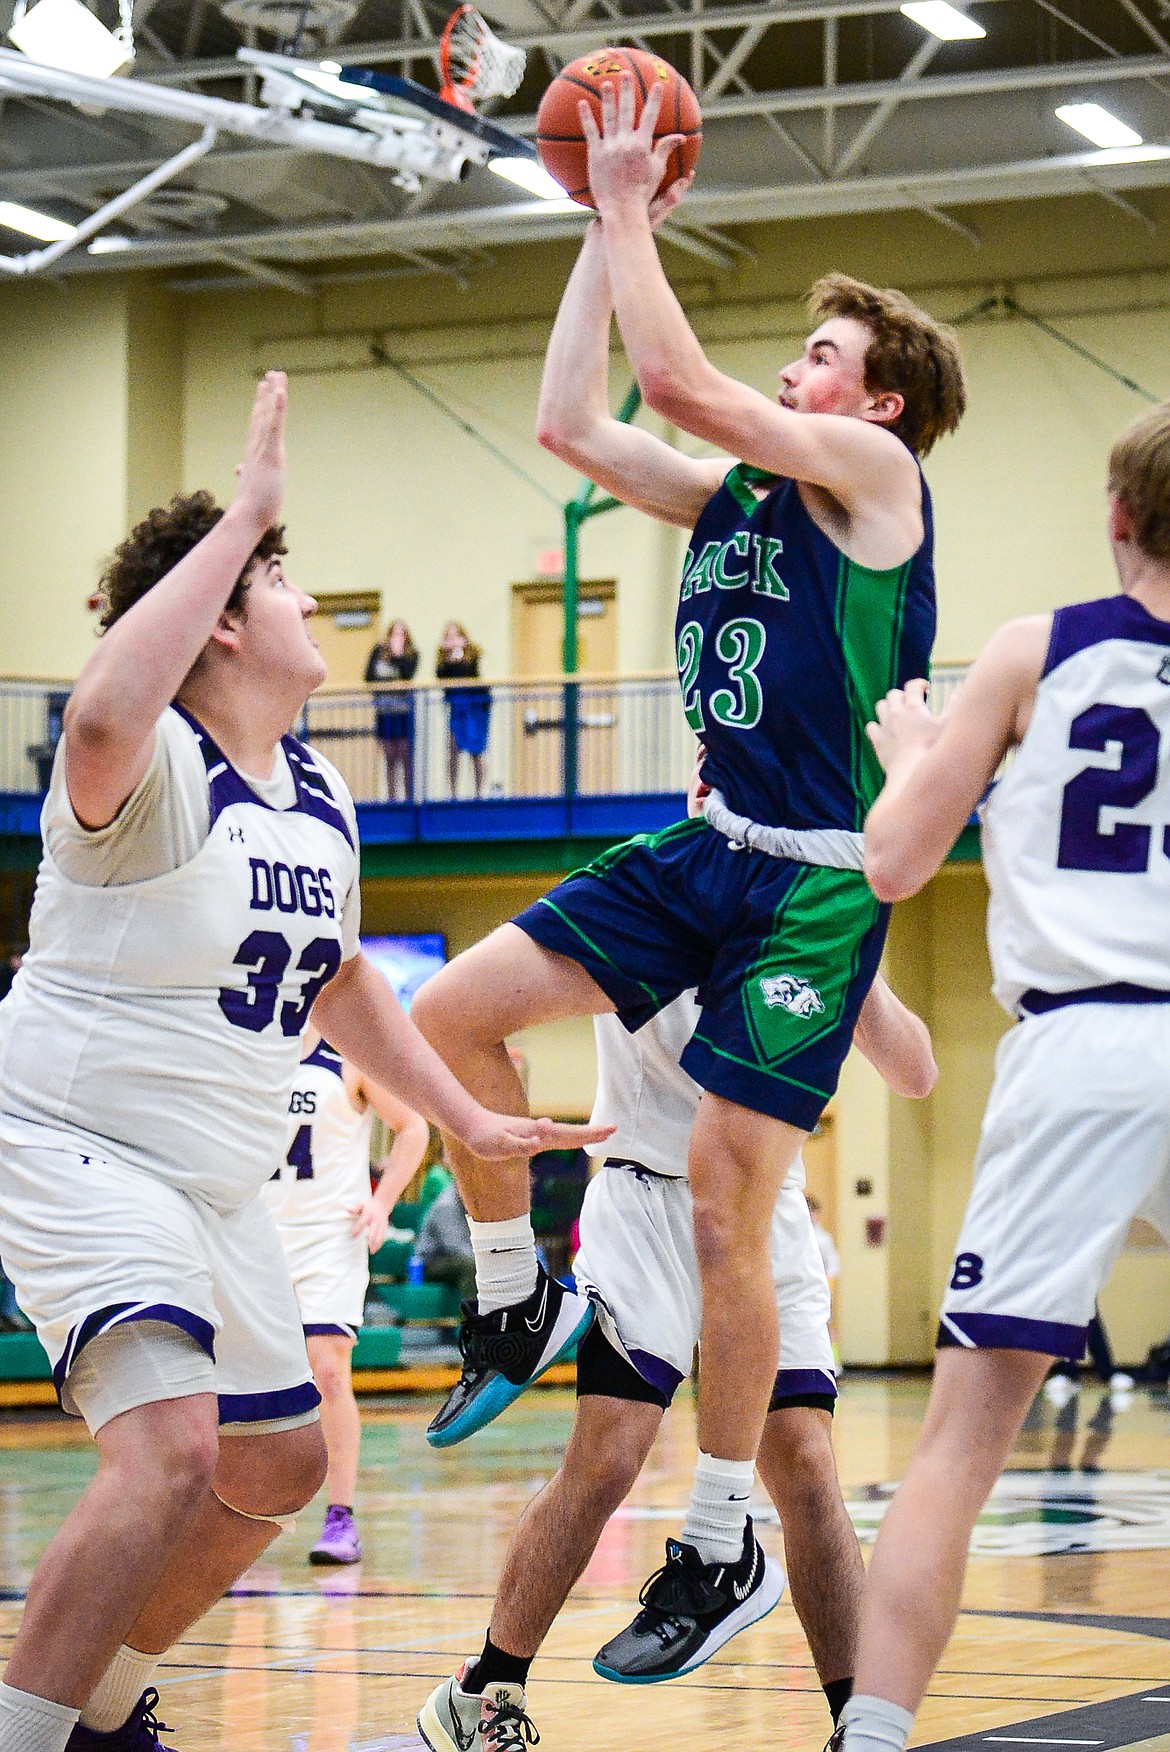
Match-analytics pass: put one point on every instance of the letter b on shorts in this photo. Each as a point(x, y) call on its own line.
point(968, 1271)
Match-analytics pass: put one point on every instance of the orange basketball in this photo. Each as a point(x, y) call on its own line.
point(559, 139)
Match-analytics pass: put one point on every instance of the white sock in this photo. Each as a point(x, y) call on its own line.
point(118, 1690)
point(872, 1724)
point(32, 1724)
point(505, 1262)
point(717, 1511)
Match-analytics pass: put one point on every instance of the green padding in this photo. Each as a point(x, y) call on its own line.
point(391, 1261)
point(420, 1301)
point(22, 1359)
point(407, 1215)
point(377, 1347)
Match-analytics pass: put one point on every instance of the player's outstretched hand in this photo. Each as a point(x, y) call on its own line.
point(626, 163)
point(372, 1222)
point(497, 1136)
point(262, 473)
point(664, 204)
point(905, 726)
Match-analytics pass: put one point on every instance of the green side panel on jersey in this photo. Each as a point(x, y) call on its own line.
point(796, 989)
point(870, 610)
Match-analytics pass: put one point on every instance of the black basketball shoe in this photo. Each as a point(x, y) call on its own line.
point(689, 1610)
point(503, 1352)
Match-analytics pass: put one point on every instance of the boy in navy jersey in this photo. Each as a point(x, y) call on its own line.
point(808, 583)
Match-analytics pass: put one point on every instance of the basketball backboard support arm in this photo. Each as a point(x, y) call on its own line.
point(496, 142)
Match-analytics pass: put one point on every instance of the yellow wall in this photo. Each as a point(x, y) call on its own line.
point(561, 1058)
point(112, 390)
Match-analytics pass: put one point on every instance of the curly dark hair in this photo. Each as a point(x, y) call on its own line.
point(910, 352)
point(155, 546)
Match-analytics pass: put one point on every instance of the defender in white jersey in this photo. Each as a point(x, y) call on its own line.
point(197, 899)
point(1076, 1137)
point(329, 1222)
point(637, 1262)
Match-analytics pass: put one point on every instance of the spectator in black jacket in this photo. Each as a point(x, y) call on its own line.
point(395, 658)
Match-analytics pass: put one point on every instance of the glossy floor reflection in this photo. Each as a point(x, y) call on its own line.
point(1067, 1603)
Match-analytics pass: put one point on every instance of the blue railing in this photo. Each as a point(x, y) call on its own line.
point(590, 755)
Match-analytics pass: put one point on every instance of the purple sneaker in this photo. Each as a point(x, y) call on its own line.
point(339, 1542)
point(139, 1733)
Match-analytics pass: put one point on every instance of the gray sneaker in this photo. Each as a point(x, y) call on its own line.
point(449, 1719)
point(453, 1720)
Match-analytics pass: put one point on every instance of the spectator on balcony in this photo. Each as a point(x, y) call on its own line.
point(395, 658)
point(469, 708)
point(444, 1244)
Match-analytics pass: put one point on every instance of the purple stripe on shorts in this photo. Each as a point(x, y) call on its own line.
point(328, 1328)
point(122, 1314)
point(1034, 1003)
point(799, 1383)
point(661, 1375)
point(1053, 1338)
point(259, 1407)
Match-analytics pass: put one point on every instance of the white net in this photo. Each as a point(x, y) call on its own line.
point(475, 62)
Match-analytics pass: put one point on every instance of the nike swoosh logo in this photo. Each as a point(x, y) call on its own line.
point(535, 1325)
point(463, 1740)
point(741, 1590)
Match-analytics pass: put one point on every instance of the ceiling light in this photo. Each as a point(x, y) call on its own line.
point(38, 225)
point(943, 20)
point(331, 66)
point(108, 243)
point(1097, 125)
point(527, 174)
point(65, 34)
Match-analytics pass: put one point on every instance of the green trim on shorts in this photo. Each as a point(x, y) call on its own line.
point(655, 997)
point(600, 866)
point(796, 990)
point(761, 1070)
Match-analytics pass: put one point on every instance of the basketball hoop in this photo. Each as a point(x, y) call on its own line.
point(474, 63)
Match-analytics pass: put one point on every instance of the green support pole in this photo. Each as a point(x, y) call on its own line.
point(577, 512)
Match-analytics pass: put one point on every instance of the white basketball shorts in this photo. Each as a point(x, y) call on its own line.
point(637, 1262)
point(330, 1270)
point(1075, 1144)
point(92, 1243)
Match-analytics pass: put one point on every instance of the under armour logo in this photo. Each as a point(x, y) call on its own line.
point(236, 834)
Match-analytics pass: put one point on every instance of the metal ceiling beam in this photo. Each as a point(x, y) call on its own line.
point(525, 223)
point(804, 99)
point(910, 76)
point(579, 36)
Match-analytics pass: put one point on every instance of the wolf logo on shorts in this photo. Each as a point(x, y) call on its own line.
point(789, 992)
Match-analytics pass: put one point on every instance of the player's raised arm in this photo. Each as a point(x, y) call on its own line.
point(573, 419)
point(938, 769)
point(856, 459)
point(144, 657)
point(896, 1042)
point(363, 1020)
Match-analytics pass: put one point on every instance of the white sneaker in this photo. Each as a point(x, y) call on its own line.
point(1058, 1389)
point(1120, 1382)
point(449, 1719)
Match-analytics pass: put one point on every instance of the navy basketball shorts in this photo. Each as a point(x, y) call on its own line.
point(782, 954)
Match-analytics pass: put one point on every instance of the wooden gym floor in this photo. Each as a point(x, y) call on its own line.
point(1062, 1642)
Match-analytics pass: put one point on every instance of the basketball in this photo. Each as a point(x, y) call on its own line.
point(559, 139)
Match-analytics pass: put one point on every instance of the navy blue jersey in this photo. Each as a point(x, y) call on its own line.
point(785, 647)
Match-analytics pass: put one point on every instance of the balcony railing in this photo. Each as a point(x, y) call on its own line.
point(578, 738)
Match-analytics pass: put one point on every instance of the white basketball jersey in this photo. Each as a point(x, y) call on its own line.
point(1076, 837)
point(644, 1091)
point(326, 1169)
point(164, 1017)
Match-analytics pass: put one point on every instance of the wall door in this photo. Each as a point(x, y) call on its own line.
point(538, 629)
